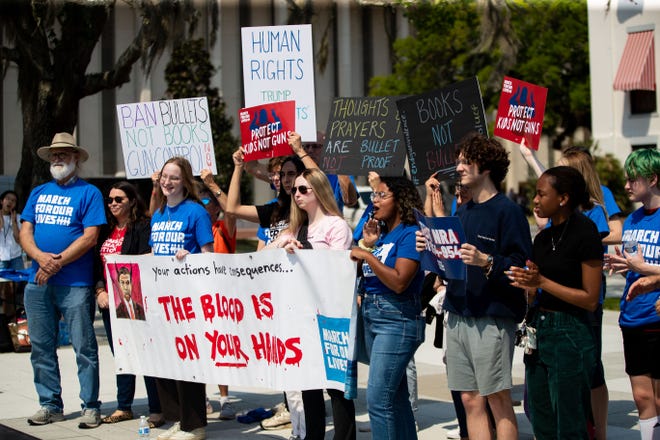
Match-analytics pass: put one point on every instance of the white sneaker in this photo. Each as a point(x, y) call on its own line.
point(227, 412)
point(195, 434)
point(167, 435)
point(453, 433)
point(281, 420)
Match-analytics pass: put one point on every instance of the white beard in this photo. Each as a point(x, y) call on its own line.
point(61, 170)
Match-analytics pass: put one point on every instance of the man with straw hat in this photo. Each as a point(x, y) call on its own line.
point(61, 223)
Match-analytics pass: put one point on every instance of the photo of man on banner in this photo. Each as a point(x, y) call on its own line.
point(128, 295)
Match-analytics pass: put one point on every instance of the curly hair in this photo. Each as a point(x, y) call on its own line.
point(138, 211)
point(406, 197)
point(487, 154)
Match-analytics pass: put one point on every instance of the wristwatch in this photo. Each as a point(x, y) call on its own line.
point(488, 268)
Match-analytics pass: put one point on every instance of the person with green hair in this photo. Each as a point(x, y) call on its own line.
point(640, 257)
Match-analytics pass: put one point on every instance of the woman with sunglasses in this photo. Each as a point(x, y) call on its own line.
point(391, 305)
point(274, 218)
point(317, 223)
point(126, 233)
point(179, 207)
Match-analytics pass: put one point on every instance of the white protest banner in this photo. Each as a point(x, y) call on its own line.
point(152, 132)
point(278, 65)
point(266, 319)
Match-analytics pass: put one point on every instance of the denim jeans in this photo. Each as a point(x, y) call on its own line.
point(14, 263)
point(411, 378)
point(44, 306)
point(393, 328)
point(126, 382)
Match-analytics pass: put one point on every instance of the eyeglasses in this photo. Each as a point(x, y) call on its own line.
point(380, 195)
point(115, 199)
point(206, 200)
point(164, 178)
point(302, 188)
point(61, 155)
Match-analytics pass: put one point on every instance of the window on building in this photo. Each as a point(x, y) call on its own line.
point(640, 146)
point(643, 101)
point(636, 72)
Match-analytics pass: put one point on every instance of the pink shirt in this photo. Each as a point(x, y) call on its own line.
point(331, 232)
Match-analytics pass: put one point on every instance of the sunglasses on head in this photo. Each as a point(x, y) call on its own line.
point(302, 188)
point(115, 199)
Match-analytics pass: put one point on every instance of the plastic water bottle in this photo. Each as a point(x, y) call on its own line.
point(143, 429)
point(630, 247)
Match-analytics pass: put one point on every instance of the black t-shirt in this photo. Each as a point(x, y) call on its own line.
point(577, 240)
point(265, 213)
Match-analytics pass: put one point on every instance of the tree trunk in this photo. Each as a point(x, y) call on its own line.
point(48, 110)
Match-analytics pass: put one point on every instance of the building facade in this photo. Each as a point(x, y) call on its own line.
point(623, 58)
point(359, 36)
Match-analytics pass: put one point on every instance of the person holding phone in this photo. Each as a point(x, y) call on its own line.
point(10, 221)
point(10, 249)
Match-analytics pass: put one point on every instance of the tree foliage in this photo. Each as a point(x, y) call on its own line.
point(554, 53)
point(610, 172)
point(51, 43)
point(540, 41)
point(188, 74)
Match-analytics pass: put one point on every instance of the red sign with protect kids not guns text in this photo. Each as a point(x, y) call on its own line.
point(265, 129)
point(520, 112)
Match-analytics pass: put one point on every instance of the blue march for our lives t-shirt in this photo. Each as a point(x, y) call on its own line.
point(60, 215)
point(398, 243)
point(645, 230)
point(184, 226)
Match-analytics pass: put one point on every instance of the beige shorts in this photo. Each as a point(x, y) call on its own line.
point(479, 353)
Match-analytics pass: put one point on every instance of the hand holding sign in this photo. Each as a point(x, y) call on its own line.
point(265, 130)
point(363, 134)
point(440, 241)
point(520, 112)
point(153, 132)
point(435, 122)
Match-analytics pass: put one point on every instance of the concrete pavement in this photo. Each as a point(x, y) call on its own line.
point(18, 399)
